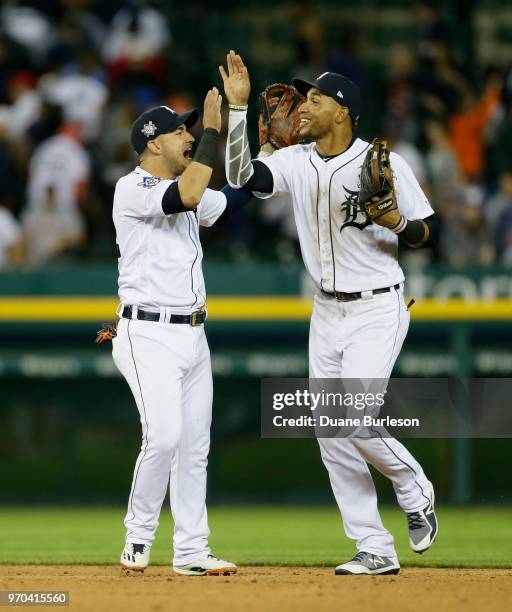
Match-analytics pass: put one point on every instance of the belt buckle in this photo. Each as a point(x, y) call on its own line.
point(194, 318)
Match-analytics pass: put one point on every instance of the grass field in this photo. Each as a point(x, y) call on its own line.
point(468, 537)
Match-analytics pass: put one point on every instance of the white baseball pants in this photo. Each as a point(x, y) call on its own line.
point(362, 339)
point(168, 369)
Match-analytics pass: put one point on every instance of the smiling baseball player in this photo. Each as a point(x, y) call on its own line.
point(161, 347)
point(359, 319)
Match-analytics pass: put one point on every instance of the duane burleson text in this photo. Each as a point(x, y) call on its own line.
point(325, 421)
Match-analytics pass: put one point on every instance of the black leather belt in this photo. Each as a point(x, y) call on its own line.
point(194, 319)
point(350, 297)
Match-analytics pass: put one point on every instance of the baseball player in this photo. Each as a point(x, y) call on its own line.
point(359, 319)
point(160, 346)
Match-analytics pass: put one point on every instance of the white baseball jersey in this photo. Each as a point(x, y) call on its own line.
point(58, 164)
point(161, 255)
point(342, 251)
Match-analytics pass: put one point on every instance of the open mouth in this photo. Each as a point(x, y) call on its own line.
point(187, 154)
point(304, 121)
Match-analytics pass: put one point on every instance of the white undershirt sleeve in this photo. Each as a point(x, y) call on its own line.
point(238, 154)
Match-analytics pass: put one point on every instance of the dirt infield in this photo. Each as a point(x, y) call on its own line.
point(262, 589)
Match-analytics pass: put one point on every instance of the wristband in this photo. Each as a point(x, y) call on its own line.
point(238, 107)
point(400, 226)
point(206, 152)
point(415, 233)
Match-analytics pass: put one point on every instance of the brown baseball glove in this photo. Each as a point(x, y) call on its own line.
point(278, 121)
point(377, 193)
point(106, 333)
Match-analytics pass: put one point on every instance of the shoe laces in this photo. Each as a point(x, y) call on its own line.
point(360, 556)
point(210, 556)
point(415, 520)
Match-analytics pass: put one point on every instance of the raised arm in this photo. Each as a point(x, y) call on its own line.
point(194, 180)
point(241, 172)
point(237, 87)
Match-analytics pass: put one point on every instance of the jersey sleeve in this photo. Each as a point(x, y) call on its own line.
point(411, 200)
point(280, 164)
point(211, 207)
point(142, 197)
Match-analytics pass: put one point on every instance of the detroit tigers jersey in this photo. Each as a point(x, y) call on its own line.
point(161, 255)
point(342, 251)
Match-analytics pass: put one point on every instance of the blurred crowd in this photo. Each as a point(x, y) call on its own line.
point(75, 73)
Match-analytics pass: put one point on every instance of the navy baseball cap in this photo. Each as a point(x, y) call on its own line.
point(339, 88)
point(156, 121)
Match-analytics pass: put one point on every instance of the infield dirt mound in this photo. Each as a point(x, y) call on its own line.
point(262, 589)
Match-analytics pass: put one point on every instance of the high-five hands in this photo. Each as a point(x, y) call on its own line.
point(211, 114)
point(237, 85)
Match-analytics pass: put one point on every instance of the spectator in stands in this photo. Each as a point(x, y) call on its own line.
point(77, 29)
point(401, 94)
point(12, 244)
point(467, 129)
point(46, 124)
point(443, 168)
point(136, 42)
point(499, 202)
point(504, 236)
point(116, 153)
point(498, 214)
point(13, 58)
point(57, 190)
point(25, 106)
point(441, 81)
point(29, 27)
point(413, 156)
point(465, 238)
point(499, 131)
point(82, 96)
point(431, 29)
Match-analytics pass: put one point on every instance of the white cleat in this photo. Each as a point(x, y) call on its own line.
point(368, 563)
point(135, 556)
point(207, 566)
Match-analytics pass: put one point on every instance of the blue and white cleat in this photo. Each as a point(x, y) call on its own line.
point(422, 528)
point(368, 563)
